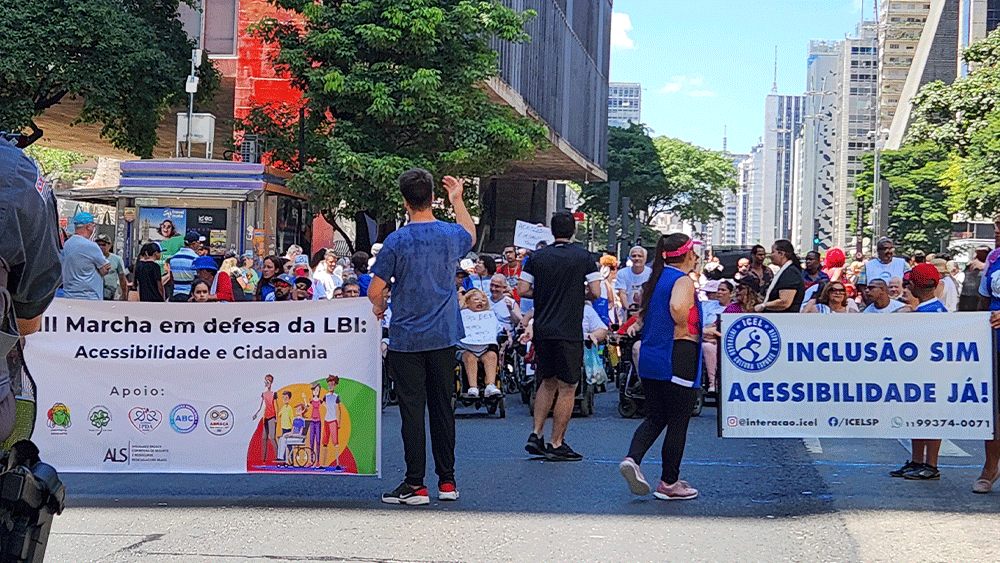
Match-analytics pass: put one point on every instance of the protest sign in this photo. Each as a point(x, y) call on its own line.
point(901, 375)
point(208, 387)
point(480, 328)
point(528, 235)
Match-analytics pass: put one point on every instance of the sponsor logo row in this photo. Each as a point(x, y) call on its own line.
point(183, 418)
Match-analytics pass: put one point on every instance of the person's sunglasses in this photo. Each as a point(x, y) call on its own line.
point(837, 290)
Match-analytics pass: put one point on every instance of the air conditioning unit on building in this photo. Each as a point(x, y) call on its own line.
point(251, 148)
point(202, 132)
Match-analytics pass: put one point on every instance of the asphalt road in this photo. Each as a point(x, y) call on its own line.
point(761, 500)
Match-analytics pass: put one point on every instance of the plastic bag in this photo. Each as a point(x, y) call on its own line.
point(594, 365)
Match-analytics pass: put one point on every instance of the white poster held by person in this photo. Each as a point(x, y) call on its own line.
point(480, 328)
point(899, 375)
point(208, 388)
point(528, 235)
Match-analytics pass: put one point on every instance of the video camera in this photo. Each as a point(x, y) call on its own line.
point(31, 494)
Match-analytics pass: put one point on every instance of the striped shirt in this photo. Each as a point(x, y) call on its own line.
point(181, 270)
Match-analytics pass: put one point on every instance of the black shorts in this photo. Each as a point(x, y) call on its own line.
point(562, 359)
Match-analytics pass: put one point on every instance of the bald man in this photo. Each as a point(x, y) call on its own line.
point(502, 303)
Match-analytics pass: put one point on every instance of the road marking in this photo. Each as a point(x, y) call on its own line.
point(813, 446)
point(948, 449)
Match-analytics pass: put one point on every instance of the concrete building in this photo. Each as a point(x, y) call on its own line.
point(901, 25)
point(624, 104)
point(783, 116)
point(750, 197)
point(814, 181)
point(724, 231)
point(976, 19)
point(857, 89)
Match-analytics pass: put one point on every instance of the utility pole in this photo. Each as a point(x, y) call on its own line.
point(612, 247)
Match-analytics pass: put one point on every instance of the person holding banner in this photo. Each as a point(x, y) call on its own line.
point(480, 343)
point(923, 281)
point(989, 291)
point(419, 259)
point(787, 288)
point(670, 322)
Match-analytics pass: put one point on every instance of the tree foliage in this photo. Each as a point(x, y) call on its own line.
point(125, 60)
point(950, 115)
point(57, 164)
point(661, 175)
point(919, 214)
point(391, 85)
point(974, 179)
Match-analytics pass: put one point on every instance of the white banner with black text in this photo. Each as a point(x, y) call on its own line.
point(208, 387)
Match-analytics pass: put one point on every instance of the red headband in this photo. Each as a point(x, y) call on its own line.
point(687, 246)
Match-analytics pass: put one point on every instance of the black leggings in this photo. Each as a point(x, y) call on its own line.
point(669, 406)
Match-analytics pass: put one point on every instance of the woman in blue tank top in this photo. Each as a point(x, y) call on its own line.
point(669, 366)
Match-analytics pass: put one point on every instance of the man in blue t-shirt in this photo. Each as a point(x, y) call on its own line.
point(419, 260)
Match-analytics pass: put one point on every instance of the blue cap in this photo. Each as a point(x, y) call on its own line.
point(204, 263)
point(287, 278)
point(193, 236)
point(82, 218)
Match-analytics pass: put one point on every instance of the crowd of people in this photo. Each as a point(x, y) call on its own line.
point(669, 304)
point(91, 270)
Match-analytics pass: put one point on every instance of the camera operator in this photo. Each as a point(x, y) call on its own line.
point(30, 272)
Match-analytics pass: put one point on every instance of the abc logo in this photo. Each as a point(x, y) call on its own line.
point(184, 418)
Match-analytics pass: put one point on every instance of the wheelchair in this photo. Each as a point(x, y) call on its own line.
point(493, 405)
point(512, 361)
point(631, 398)
point(583, 400)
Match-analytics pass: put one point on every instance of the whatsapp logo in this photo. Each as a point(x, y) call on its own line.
point(100, 419)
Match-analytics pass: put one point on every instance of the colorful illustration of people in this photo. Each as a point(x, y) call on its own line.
point(305, 435)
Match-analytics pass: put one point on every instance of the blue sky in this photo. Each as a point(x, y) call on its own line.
point(705, 64)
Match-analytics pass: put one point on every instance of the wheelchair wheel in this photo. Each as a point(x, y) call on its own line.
point(699, 401)
point(587, 401)
point(503, 407)
point(491, 408)
point(302, 457)
point(627, 408)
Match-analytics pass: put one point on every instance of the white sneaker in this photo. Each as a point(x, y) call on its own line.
point(492, 391)
point(473, 392)
point(633, 475)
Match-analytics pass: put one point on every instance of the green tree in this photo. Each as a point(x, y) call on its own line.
point(391, 85)
point(57, 164)
point(661, 175)
point(919, 214)
point(125, 60)
point(950, 115)
point(974, 178)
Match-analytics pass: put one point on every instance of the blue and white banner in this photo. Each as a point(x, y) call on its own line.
point(900, 375)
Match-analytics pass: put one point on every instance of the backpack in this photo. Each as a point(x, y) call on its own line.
point(21, 383)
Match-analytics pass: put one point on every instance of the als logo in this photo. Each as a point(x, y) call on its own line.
point(116, 455)
point(58, 418)
point(100, 418)
point(145, 419)
point(184, 418)
point(219, 420)
point(752, 343)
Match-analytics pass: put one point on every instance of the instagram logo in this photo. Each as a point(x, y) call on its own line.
point(732, 421)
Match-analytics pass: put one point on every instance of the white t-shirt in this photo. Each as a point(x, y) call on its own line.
point(81, 257)
point(892, 307)
point(591, 321)
point(332, 412)
point(329, 281)
point(632, 282)
point(875, 269)
point(502, 311)
point(950, 296)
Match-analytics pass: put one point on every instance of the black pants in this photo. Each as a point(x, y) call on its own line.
point(669, 406)
point(426, 378)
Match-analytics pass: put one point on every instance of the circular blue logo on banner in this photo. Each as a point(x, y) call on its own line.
point(752, 343)
point(184, 418)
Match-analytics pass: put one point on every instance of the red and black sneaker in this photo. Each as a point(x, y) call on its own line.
point(407, 494)
point(447, 491)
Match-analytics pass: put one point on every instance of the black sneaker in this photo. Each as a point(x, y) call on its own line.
point(924, 473)
point(907, 467)
point(562, 453)
point(406, 494)
point(535, 445)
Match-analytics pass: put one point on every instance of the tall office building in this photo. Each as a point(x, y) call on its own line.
point(783, 117)
point(750, 197)
point(976, 20)
point(857, 85)
point(724, 230)
point(814, 175)
point(902, 23)
point(624, 104)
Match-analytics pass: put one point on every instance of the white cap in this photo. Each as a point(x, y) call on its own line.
point(711, 286)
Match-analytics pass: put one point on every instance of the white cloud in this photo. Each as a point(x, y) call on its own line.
point(701, 94)
point(620, 26)
point(670, 88)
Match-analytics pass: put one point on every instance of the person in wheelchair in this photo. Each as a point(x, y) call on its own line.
point(479, 344)
point(295, 436)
